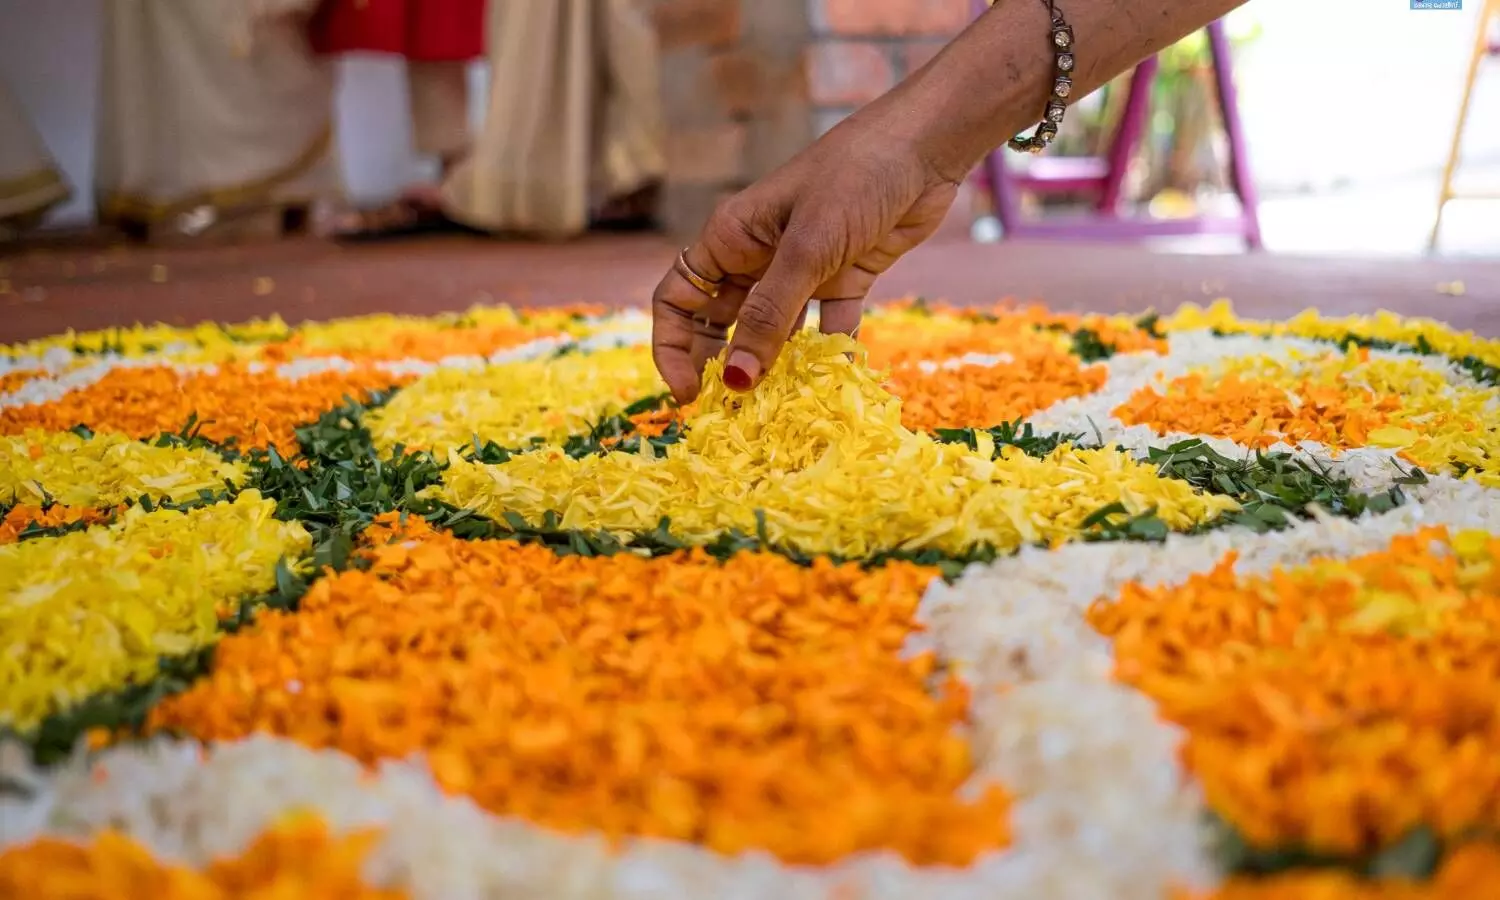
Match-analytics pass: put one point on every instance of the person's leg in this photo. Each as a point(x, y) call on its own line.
point(439, 97)
point(443, 38)
point(166, 149)
point(438, 94)
point(529, 168)
point(30, 183)
point(630, 159)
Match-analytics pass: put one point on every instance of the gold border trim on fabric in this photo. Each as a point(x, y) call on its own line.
point(20, 186)
point(116, 207)
point(26, 198)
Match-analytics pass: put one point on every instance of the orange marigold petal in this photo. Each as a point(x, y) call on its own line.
point(255, 408)
point(750, 703)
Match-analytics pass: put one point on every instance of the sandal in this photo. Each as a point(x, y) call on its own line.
point(13, 228)
point(410, 216)
point(631, 213)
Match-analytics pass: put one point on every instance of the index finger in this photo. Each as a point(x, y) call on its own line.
point(769, 313)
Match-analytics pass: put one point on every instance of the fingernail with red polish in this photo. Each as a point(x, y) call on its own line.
point(741, 371)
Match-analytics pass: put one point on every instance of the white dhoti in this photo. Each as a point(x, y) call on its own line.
point(30, 182)
point(206, 103)
point(574, 116)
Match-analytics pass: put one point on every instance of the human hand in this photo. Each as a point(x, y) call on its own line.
point(824, 226)
point(829, 222)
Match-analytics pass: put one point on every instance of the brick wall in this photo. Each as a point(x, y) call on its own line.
point(735, 97)
point(860, 48)
point(747, 83)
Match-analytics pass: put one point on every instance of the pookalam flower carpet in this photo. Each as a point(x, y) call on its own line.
point(994, 602)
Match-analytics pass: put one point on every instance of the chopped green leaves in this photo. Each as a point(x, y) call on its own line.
point(1415, 856)
point(1088, 346)
point(126, 708)
point(1018, 434)
point(340, 482)
point(1273, 489)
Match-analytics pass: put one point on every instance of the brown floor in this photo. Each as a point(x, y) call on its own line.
point(46, 290)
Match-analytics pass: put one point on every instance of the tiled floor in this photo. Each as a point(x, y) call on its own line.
point(47, 290)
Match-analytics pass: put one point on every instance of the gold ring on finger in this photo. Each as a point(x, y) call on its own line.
point(704, 286)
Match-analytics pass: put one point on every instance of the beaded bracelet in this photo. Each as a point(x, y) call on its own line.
point(1062, 87)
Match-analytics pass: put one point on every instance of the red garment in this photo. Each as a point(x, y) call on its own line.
point(422, 30)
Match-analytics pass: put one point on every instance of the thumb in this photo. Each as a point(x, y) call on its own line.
point(767, 316)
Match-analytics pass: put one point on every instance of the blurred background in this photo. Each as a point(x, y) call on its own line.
point(183, 160)
point(1347, 106)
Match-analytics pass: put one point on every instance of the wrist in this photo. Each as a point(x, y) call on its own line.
point(989, 84)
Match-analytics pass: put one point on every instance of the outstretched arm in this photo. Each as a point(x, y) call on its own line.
point(830, 221)
point(994, 79)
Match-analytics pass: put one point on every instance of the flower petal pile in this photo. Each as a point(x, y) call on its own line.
point(1339, 400)
point(749, 704)
point(255, 408)
point(25, 519)
point(9, 381)
point(511, 403)
point(107, 469)
point(1335, 706)
point(95, 609)
point(990, 602)
point(299, 860)
point(977, 396)
point(479, 332)
point(817, 459)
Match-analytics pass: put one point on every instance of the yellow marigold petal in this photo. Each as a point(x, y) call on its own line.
point(820, 452)
point(95, 609)
point(1392, 436)
point(106, 469)
point(510, 403)
point(480, 331)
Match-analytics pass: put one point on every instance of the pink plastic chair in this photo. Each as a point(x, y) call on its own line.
point(1105, 177)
